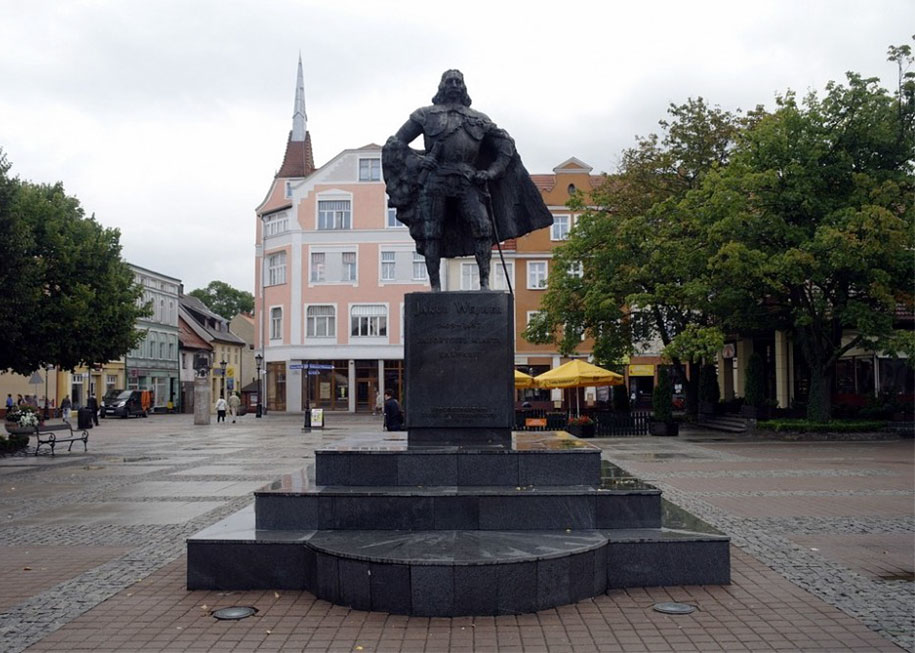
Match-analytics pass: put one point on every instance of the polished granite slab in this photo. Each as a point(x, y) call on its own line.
point(521, 441)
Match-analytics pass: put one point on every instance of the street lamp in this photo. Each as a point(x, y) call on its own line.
point(258, 361)
point(47, 373)
point(223, 364)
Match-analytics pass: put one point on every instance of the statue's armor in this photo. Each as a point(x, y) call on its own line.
point(452, 136)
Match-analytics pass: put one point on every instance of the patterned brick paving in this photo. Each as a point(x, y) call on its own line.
point(806, 520)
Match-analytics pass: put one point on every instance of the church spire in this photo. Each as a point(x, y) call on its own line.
point(299, 117)
point(299, 159)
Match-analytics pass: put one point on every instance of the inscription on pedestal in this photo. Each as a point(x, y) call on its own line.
point(459, 355)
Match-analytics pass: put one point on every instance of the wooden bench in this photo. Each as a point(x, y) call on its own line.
point(48, 434)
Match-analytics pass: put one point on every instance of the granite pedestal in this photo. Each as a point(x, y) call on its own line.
point(459, 366)
point(458, 516)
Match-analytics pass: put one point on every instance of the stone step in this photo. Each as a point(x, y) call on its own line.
point(725, 423)
point(451, 572)
point(576, 464)
point(449, 508)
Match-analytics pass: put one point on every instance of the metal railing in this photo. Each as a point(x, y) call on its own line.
point(606, 423)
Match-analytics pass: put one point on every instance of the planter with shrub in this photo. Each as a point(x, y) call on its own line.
point(662, 422)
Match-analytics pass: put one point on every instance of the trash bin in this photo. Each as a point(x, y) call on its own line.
point(84, 418)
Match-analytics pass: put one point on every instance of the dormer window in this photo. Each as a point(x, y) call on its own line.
point(370, 169)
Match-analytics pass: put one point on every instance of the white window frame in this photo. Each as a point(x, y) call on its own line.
point(470, 276)
point(276, 268)
point(276, 324)
point(530, 316)
point(420, 273)
point(537, 280)
point(329, 320)
point(388, 259)
point(497, 275)
point(318, 268)
point(342, 218)
point(287, 190)
point(391, 221)
point(373, 322)
point(372, 172)
point(353, 276)
point(557, 232)
point(576, 269)
point(276, 224)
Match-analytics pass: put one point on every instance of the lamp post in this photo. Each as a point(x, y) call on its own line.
point(223, 364)
point(47, 373)
point(258, 360)
point(307, 372)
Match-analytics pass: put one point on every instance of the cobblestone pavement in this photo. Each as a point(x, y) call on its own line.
point(850, 541)
point(92, 549)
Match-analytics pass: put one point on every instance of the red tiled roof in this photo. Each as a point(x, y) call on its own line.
point(544, 182)
point(299, 160)
point(188, 338)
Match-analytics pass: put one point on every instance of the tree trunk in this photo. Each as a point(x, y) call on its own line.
point(692, 390)
point(819, 403)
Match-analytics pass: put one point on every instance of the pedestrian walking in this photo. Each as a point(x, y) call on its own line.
point(393, 415)
point(234, 403)
point(9, 403)
point(65, 408)
point(92, 404)
point(221, 406)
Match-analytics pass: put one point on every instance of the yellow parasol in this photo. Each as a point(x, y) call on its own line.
point(523, 380)
point(578, 374)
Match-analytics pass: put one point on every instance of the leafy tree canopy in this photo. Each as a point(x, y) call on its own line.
point(224, 300)
point(644, 261)
point(800, 220)
point(813, 221)
point(68, 297)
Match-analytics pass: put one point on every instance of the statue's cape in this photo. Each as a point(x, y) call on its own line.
point(516, 205)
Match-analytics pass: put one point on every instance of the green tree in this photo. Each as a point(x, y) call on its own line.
point(644, 261)
point(224, 300)
point(813, 224)
point(68, 297)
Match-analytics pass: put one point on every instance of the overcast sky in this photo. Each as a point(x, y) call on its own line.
point(169, 118)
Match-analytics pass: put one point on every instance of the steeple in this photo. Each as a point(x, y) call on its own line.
point(299, 117)
point(299, 159)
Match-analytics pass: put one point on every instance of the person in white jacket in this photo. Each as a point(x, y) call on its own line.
point(221, 406)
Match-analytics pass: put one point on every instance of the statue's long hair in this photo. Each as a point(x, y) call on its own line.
point(440, 97)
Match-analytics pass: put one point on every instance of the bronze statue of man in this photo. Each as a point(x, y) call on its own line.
point(467, 189)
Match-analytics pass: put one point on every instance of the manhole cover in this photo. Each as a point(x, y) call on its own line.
point(673, 608)
point(236, 612)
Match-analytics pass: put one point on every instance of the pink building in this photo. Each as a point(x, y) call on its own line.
point(332, 267)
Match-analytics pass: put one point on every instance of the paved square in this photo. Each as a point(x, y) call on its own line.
point(821, 549)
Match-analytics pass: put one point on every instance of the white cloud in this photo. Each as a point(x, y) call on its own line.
point(168, 119)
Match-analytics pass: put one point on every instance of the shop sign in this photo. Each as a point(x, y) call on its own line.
point(641, 370)
point(317, 418)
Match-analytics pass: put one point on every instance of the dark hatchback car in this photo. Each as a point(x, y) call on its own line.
point(127, 404)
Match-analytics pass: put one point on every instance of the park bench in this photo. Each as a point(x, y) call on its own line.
point(54, 434)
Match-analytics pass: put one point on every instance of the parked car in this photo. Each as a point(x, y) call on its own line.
point(110, 399)
point(129, 403)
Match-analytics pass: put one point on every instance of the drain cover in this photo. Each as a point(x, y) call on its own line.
point(673, 608)
point(236, 612)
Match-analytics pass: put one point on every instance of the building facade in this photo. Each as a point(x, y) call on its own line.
point(332, 267)
point(153, 364)
point(225, 348)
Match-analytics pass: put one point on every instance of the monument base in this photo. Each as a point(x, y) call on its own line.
point(452, 531)
point(458, 437)
point(459, 366)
